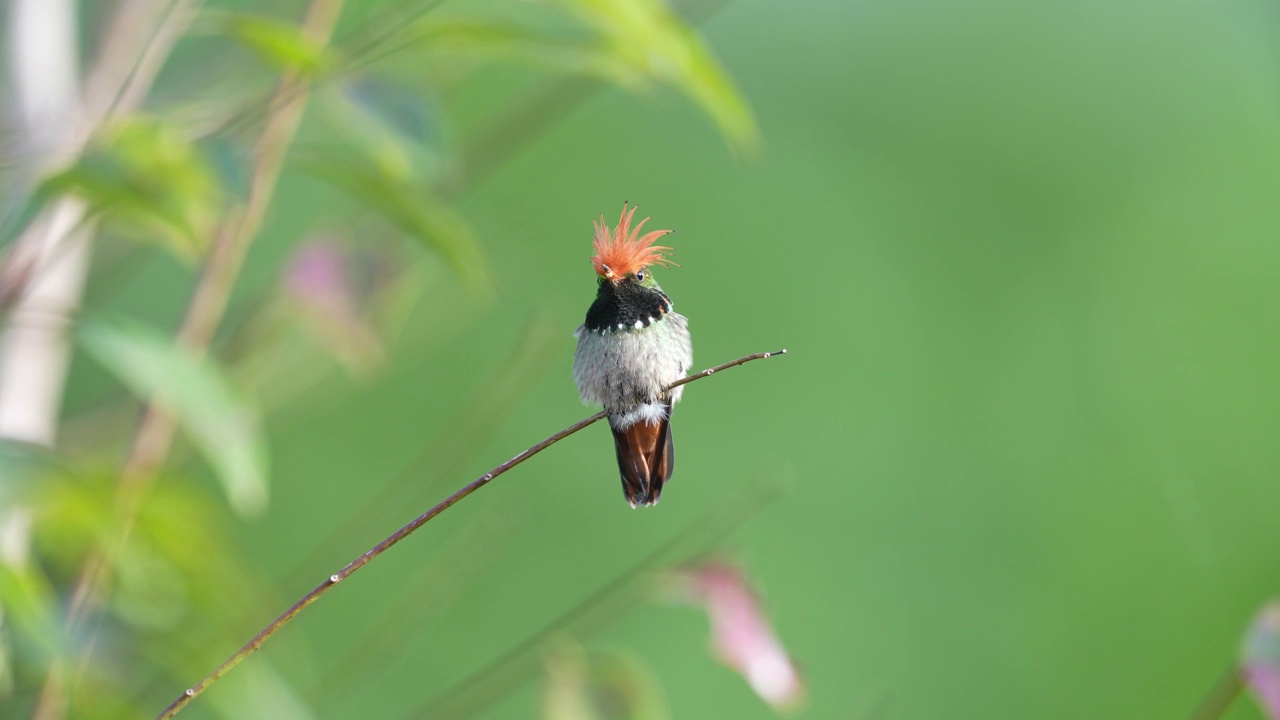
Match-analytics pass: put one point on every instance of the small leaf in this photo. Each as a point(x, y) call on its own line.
point(148, 180)
point(278, 43)
point(496, 39)
point(224, 427)
point(631, 43)
point(31, 608)
point(695, 70)
point(1260, 658)
point(648, 36)
point(412, 207)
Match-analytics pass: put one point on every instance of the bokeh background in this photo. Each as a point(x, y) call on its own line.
point(1020, 460)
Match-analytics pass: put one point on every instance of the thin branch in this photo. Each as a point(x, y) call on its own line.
point(137, 44)
point(248, 648)
point(481, 688)
point(493, 399)
point(255, 108)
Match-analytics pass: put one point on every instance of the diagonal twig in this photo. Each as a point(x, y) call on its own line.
point(275, 625)
point(485, 686)
point(1229, 685)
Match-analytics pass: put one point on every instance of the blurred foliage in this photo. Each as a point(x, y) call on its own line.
point(1023, 256)
point(196, 391)
point(382, 237)
point(145, 179)
point(632, 43)
point(410, 206)
point(280, 44)
point(178, 566)
point(340, 298)
point(653, 42)
point(600, 685)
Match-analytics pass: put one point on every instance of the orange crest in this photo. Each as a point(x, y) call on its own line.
point(623, 251)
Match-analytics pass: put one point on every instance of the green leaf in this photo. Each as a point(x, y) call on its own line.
point(497, 39)
point(278, 43)
point(30, 606)
point(696, 72)
point(146, 179)
point(649, 37)
point(632, 43)
point(411, 206)
point(223, 426)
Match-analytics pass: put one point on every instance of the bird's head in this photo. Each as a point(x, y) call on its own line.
point(623, 255)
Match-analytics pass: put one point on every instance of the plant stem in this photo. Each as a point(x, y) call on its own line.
point(204, 312)
point(231, 243)
point(275, 625)
point(1224, 692)
point(209, 300)
point(50, 261)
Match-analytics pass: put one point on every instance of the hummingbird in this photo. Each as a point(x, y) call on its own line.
point(631, 346)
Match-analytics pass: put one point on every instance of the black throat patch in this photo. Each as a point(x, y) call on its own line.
point(626, 306)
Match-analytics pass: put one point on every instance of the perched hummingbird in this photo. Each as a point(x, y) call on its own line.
point(631, 346)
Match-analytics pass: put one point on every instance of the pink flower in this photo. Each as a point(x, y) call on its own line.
point(318, 281)
point(741, 634)
point(1260, 659)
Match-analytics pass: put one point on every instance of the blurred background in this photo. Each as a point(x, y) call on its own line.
point(278, 276)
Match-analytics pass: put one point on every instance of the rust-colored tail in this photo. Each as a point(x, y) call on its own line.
point(646, 458)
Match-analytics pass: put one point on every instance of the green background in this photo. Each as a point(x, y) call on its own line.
point(1023, 257)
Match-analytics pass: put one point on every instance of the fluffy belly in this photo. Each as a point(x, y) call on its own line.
point(624, 369)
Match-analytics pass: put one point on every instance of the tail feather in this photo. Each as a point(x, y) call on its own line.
point(646, 458)
point(664, 459)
